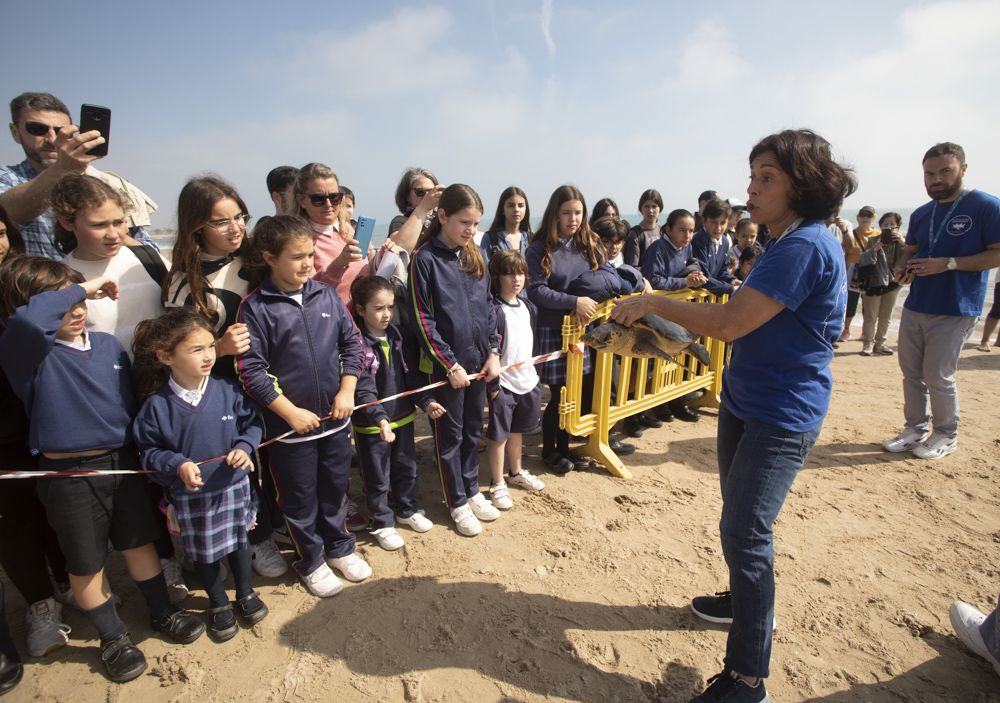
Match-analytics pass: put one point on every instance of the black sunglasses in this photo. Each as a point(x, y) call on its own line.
point(318, 199)
point(421, 192)
point(40, 129)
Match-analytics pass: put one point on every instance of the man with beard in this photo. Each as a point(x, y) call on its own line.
point(53, 148)
point(951, 244)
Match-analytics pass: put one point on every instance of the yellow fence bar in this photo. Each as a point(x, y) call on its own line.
point(643, 384)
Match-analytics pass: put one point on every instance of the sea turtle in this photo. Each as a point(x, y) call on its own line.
point(649, 337)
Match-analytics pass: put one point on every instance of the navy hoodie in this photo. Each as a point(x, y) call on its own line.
point(299, 351)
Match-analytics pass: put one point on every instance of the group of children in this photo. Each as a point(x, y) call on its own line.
point(185, 373)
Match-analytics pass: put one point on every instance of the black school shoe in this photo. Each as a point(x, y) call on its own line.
point(122, 659)
point(557, 463)
point(687, 414)
point(649, 420)
point(11, 672)
point(222, 625)
point(182, 626)
point(730, 688)
point(252, 609)
point(621, 448)
point(664, 413)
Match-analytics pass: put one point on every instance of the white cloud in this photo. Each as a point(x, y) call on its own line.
point(546, 18)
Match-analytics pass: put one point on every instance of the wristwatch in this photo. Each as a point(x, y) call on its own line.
point(952, 264)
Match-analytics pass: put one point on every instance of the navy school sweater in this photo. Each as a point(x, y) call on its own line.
point(75, 400)
point(171, 431)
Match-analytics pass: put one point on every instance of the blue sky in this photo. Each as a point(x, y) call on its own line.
point(614, 97)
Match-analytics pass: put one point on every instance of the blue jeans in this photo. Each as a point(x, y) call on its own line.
point(757, 464)
point(990, 630)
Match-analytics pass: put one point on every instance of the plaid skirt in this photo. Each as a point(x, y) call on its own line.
point(215, 524)
point(553, 373)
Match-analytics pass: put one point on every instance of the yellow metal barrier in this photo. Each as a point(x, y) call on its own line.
point(654, 383)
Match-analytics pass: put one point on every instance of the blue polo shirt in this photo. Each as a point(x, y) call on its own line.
point(780, 373)
point(970, 229)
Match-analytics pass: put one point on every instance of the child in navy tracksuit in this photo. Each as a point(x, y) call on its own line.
point(710, 245)
point(516, 396)
point(457, 329)
point(190, 416)
point(384, 432)
point(302, 368)
point(77, 391)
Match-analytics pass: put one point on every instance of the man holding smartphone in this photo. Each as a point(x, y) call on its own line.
point(53, 148)
point(951, 244)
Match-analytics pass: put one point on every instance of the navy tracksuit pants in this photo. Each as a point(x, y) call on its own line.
point(311, 481)
point(456, 437)
point(386, 466)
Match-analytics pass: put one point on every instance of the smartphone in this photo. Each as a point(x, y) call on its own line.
point(96, 117)
point(887, 237)
point(363, 233)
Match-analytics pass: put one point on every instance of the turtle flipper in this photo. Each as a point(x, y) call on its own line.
point(650, 351)
point(700, 353)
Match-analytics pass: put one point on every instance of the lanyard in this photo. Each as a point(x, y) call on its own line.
point(936, 235)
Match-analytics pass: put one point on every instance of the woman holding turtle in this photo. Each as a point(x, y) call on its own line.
point(782, 322)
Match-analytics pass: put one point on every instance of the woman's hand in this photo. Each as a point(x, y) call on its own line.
point(239, 459)
point(100, 287)
point(190, 474)
point(385, 431)
point(434, 410)
point(429, 201)
point(491, 368)
point(585, 309)
point(458, 378)
point(350, 253)
point(236, 340)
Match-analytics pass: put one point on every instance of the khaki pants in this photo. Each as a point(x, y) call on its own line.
point(877, 312)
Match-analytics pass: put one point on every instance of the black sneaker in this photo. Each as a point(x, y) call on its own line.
point(730, 688)
point(122, 659)
point(251, 608)
point(222, 625)
point(717, 608)
point(621, 448)
point(557, 463)
point(182, 626)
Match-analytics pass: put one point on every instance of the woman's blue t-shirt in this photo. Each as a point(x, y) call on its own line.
point(780, 373)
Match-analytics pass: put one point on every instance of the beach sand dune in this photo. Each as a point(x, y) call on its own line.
point(581, 592)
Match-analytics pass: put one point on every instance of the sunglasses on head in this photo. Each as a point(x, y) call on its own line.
point(40, 129)
point(319, 199)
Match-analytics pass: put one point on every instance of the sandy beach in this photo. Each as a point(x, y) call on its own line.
point(581, 591)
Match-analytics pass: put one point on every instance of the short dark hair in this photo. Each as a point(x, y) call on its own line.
point(819, 184)
point(348, 193)
point(23, 276)
point(280, 177)
point(891, 215)
point(707, 195)
point(946, 149)
point(504, 262)
point(36, 101)
point(750, 253)
point(610, 227)
point(715, 208)
point(601, 209)
point(651, 194)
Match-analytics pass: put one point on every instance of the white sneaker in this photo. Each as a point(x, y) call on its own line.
point(525, 480)
point(482, 508)
point(866, 349)
point(904, 441)
point(465, 521)
point(388, 538)
point(322, 582)
point(352, 567)
point(267, 560)
point(418, 521)
point(45, 631)
point(966, 620)
point(936, 446)
point(500, 496)
point(176, 588)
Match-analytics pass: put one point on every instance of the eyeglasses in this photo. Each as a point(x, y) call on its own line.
point(40, 129)
point(319, 199)
point(238, 222)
